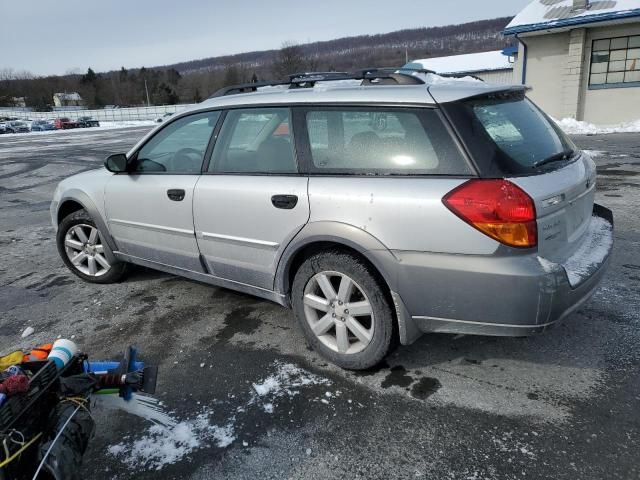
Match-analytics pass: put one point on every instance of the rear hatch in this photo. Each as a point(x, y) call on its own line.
point(509, 137)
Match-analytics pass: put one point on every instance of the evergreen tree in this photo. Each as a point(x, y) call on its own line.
point(90, 77)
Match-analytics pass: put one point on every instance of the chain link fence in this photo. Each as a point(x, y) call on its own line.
point(105, 114)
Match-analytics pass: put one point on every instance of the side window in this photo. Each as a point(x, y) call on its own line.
point(179, 147)
point(255, 141)
point(382, 141)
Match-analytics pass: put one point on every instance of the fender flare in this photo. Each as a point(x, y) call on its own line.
point(364, 243)
point(78, 196)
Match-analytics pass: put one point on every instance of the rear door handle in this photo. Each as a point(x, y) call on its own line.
point(286, 202)
point(176, 194)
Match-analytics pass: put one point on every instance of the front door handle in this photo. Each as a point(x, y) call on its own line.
point(176, 194)
point(286, 202)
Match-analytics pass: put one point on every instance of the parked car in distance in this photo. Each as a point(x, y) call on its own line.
point(3, 127)
point(381, 211)
point(86, 122)
point(16, 126)
point(64, 123)
point(163, 117)
point(42, 125)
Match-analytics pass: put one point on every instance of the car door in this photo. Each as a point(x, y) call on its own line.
point(251, 201)
point(150, 208)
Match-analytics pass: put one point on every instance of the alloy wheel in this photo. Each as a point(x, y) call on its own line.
point(85, 250)
point(339, 312)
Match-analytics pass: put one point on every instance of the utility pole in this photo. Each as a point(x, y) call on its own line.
point(147, 92)
point(406, 55)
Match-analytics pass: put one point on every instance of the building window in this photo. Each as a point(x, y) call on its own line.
point(615, 61)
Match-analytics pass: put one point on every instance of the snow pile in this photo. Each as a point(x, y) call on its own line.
point(285, 382)
point(163, 446)
point(595, 247)
point(577, 127)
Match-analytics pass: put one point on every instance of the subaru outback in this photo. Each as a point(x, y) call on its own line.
point(378, 206)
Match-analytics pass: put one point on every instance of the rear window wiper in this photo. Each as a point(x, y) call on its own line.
point(558, 157)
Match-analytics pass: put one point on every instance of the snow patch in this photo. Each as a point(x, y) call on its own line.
point(286, 381)
point(104, 125)
point(572, 126)
point(595, 247)
point(467, 63)
point(594, 153)
point(546, 265)
point(162, 446)
point(551, 13)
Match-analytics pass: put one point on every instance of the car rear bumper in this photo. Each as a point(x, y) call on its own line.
point(511, 294)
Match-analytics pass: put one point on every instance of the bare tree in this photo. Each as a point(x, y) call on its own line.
point(289, 60)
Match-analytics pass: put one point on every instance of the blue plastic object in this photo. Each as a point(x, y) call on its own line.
point(106, 365)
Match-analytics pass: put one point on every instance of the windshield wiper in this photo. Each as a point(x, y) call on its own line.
point(558, 157)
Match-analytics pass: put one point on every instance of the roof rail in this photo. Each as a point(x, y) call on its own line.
point(369, 76)
point(244, 88)
point(312, 77)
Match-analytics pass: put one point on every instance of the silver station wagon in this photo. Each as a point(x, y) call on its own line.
point(377, 205)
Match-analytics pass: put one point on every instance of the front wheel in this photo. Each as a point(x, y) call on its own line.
point(342, 308)
point(84, 252)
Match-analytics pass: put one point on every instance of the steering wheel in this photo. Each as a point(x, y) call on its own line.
point(186, 160)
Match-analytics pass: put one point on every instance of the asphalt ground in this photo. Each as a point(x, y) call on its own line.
point(562, 405)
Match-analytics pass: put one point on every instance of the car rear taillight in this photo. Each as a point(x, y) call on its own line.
point(497, 208)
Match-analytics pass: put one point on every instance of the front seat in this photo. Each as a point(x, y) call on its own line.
point(275, 155)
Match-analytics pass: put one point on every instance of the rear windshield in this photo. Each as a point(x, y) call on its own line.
point(513, 134)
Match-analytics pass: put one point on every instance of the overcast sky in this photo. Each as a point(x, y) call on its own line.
point(56, 36)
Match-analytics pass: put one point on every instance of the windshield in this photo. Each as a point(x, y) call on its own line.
point(512, 134)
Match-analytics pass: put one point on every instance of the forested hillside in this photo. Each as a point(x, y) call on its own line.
point(195, 80)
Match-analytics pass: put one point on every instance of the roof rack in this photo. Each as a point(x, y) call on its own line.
point(368, 76)
point(245, 88)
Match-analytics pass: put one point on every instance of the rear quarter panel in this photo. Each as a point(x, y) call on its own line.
point(403, 213)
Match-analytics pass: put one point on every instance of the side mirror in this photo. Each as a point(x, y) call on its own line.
point(116, 163)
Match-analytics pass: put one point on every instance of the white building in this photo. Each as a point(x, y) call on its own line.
point(581, 57)
point(493, 67)
point(72, 99)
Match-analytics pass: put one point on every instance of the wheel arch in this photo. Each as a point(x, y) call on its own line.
point(317, 236)
point(323, 235)
point(75, 200)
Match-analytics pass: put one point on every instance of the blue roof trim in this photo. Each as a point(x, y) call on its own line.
point(567, 22)
point(509, 51)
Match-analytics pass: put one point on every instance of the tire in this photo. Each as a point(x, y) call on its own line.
point(92, 266)
point(370, 338)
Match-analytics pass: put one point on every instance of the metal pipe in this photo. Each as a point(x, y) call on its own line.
point(525, 52)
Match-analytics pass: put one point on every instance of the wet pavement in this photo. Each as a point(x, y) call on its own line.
point(563, 405)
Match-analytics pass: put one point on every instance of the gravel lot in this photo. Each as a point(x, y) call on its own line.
point(564, 405)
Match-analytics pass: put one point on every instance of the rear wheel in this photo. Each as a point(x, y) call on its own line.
point(84, 252)
point(342, 308)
